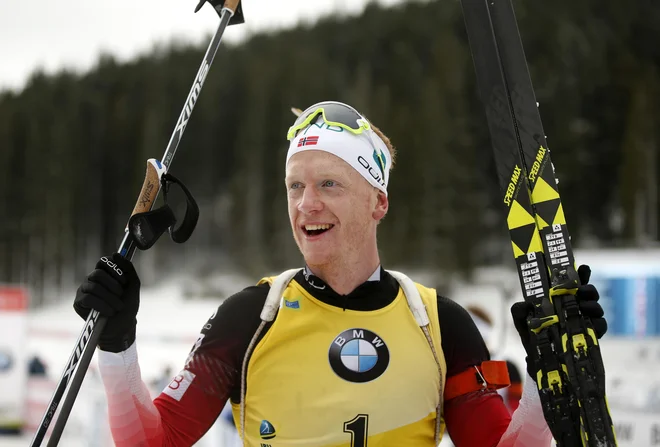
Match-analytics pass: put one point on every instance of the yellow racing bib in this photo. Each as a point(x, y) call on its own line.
point(327, 377)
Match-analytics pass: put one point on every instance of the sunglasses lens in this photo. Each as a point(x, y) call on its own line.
point(343, 114)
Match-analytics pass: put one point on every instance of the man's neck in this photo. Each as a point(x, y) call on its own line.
point(344, 279)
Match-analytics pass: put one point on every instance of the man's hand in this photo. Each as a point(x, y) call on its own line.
point(112, 289)
point(587, 298)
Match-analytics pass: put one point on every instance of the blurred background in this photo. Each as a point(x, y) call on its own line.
point(89, 91)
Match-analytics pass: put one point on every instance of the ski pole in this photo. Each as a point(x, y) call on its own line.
point(89, 337)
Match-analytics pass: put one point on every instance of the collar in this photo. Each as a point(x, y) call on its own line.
point(318, 283)
point(378, 291)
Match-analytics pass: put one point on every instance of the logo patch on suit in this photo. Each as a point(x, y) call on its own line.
point(292, 304)
point(358, 355)
point(266, 430)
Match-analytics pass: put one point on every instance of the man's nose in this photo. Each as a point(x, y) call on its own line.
point(310, 201)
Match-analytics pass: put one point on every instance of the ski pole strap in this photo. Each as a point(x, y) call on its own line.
point(185, 230)
point(491, 375)
point(147, 227)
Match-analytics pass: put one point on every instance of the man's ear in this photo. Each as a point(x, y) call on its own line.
point(382, 205)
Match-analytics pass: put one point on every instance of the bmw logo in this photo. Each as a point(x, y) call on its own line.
point(358, 355)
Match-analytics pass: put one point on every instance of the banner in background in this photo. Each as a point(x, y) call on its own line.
point(13, 355)
point(631, 303)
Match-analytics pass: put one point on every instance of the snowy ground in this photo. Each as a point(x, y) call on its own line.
point(168, 325)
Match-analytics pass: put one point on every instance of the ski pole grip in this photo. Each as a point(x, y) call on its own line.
point(232, 5)
point(150, 186)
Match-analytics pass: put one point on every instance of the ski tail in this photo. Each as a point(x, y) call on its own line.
point(569, 370)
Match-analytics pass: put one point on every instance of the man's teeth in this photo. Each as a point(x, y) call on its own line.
point(317, 227)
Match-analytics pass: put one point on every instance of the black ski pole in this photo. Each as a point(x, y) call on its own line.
point(88, 339)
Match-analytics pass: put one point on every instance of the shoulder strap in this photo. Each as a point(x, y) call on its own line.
point(275, 294)
point(418, 310)
point(412, 295)
point(267, 315)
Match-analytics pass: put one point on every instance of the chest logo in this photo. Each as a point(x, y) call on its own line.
point(358, 355)
point(266, 430)
point(292, 304)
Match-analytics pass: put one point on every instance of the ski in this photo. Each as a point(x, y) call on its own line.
point(570, 373)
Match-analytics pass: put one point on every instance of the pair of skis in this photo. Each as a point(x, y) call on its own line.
point(569, 369)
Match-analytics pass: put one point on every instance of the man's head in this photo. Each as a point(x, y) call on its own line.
point(336, 180)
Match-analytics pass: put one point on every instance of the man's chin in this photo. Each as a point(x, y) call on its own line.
point(315, 258)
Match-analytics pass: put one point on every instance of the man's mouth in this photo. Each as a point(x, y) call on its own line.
point(315, 230)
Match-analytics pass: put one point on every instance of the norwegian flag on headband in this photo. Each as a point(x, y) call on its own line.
point(308, 141)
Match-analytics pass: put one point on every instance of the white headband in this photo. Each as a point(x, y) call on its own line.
point(366, 152)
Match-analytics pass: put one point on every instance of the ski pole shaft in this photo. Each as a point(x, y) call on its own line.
point(92, 320)
point(77, 380)
point(88, 340)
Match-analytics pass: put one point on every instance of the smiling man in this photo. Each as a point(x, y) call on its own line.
point(338, 353)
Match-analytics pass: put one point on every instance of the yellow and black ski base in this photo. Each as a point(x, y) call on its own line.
point(569, 368)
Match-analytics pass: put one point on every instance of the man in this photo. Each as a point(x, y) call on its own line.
point(339, 353)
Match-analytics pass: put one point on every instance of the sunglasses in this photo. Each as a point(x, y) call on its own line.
point(334, 114)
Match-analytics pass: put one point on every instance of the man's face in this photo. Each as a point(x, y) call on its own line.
point(333, 210)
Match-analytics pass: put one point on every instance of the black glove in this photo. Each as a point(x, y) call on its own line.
point(587, 299)
point(112, 289)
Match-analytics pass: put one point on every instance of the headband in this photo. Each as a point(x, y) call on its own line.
point(365, 152)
